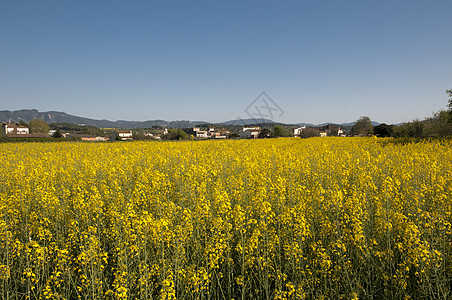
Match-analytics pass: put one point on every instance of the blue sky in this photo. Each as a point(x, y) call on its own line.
point(320, 61)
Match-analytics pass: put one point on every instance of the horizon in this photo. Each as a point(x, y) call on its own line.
point(294, 62)
point(195, 121)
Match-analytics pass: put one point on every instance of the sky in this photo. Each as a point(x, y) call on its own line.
point(315, 61)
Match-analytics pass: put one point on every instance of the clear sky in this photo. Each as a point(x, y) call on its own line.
point(319, 61)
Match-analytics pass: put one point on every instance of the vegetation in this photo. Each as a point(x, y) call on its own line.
point(22, 139)
point(384, 130)
point(78, 129)
point(321, 218)
point(438, 125)
point(449, 93)
point(176, 134)
point(39, 126)
point(362, 127)
point(266, 133)
point(309, 132)
point(57, 134)
point(280, 131)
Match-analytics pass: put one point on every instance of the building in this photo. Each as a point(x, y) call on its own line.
point(123, 135)
point(85, 137)
point(202, 134)
point(250, 132)
point(297, 131)
point(327, 130)
point(95, 139)
point(250, 128)
point(309, 132)
point(10, 128)
point(331, 129)
point(224, 132)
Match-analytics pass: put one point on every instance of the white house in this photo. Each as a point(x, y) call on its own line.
point(125, 135)
point(315, 131)
point(297, 131)
point(250, 128)
point(9, 128)
point(250, 132)
point(203, 134)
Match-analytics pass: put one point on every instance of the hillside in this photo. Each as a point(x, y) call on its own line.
point(27, 115)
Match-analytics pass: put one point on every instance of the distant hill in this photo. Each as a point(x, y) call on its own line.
point(349, 124)
point(241, 122)
point(27, 115)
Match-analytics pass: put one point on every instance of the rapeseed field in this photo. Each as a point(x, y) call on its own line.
point(321, 218)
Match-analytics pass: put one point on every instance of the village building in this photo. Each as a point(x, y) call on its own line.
point(250, 132)
point(123, 135)
point(13, 129)
point(297, 131)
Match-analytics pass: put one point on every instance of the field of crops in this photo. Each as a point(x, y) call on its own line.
point(248, 219)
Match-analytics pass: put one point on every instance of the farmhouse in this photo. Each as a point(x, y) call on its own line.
point(10, 128)
point(332, 129)
point(123, 135)
point(315, 131)
point(250, 132)
point(297, 131)
point(211, 132)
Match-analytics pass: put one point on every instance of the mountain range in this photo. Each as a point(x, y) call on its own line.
point(27, 115)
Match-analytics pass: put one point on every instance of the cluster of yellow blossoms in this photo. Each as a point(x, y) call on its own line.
point(247, 219)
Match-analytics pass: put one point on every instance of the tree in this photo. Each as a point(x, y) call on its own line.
point(22, 123)
point(39, 126)
point(138, 135)
point(265, 133)
point(449, 93)
point(383, 130)
point(438, 125)
point(57, 134)
point(309, 132)
point(410, 129)
point(176, 134)
point(280, 131)
point(363, 126)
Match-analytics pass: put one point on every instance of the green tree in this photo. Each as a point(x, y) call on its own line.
point(92, 130)
point(176, 134)
point(281, 131)
point(410, 129)
point(438, 125)
point(57, 134)
point(383, 130)
point(39, 126)
point(309, 132)
point(22, 123)
point(363, 126)
point(449, 93)
point(265, 133)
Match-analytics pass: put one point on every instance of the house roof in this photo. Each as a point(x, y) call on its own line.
point(12, 125)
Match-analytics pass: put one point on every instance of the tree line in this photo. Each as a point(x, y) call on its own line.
point(438, 125)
